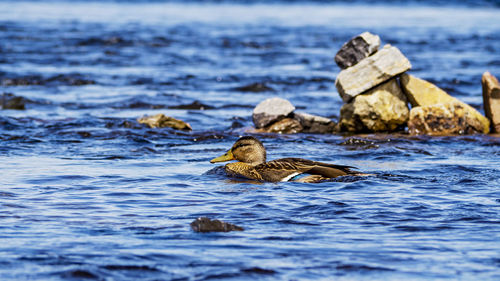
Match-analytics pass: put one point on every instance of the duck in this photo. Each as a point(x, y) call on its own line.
point(251, 163)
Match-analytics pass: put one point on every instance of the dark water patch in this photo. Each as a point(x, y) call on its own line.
point(113, 40)
point(258, 271)
point(131, 268)
point(50, 179)
point(256, 87)
point(196, 105)
point(135, 104)
point(296, 222)
point(410, 228)
point(145, 230)
point(74, 79)
point(361, 267)
point(16, 206)
point(7, 194)
point(226, 106)
point(81, 274)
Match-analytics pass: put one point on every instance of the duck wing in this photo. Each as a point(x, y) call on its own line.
point(286, 168)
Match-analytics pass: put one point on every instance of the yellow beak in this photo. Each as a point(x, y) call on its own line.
point(228, 156)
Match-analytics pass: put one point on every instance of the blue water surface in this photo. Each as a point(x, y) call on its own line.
point(87, 193)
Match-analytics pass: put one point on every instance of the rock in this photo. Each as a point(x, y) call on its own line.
point(315, 124)
point(451, 118)
point(161, 121)
point(204, 224)
point(421, 92)
point(424, 93)
point(284, 126)
point(383, 108)
point(270, 111)
point(491, 100)
point(370, 72)
point(10, 101)
point(357, 49)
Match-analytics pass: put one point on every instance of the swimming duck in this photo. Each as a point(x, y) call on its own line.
point(251, 156)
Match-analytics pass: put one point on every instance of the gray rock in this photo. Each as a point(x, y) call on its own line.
point(204, 224)
point(357, 49)
point(370, 72)
point(270, 111)
point(383, 108)
point(315, 124)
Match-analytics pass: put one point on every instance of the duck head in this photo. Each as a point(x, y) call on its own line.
point(247, 150)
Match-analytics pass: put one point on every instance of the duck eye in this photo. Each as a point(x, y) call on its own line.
point(241, 145)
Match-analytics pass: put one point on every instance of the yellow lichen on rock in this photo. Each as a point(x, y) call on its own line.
point(284, 126)
point(383, 108)
point(444, 119)
point(161, 121)
point(422, 93)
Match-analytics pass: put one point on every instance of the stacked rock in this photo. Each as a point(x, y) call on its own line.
point(277, 115)
point(376, 101)
point(369, 87)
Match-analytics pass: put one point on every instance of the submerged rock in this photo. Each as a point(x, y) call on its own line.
point(424, 93)
point(161, 121)
point(357, 49)
point(271, 110)
point(451, 118)
point(315, 124)
point(491, 100)
point(383, 108)
point(370, 72)
point(10, 101)
point(204, 224)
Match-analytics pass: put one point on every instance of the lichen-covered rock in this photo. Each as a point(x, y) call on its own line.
point(370, 72)
point(357, 49)
point(315, 124)
point(284, 126)
point(161, 121)
point(204, 224)
point(451, 118)
point(270, 111)
point(10, 101)
point(424, 93)
point(491, 100)
point(383, 108)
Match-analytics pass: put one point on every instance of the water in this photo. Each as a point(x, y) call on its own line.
point(87, 193)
